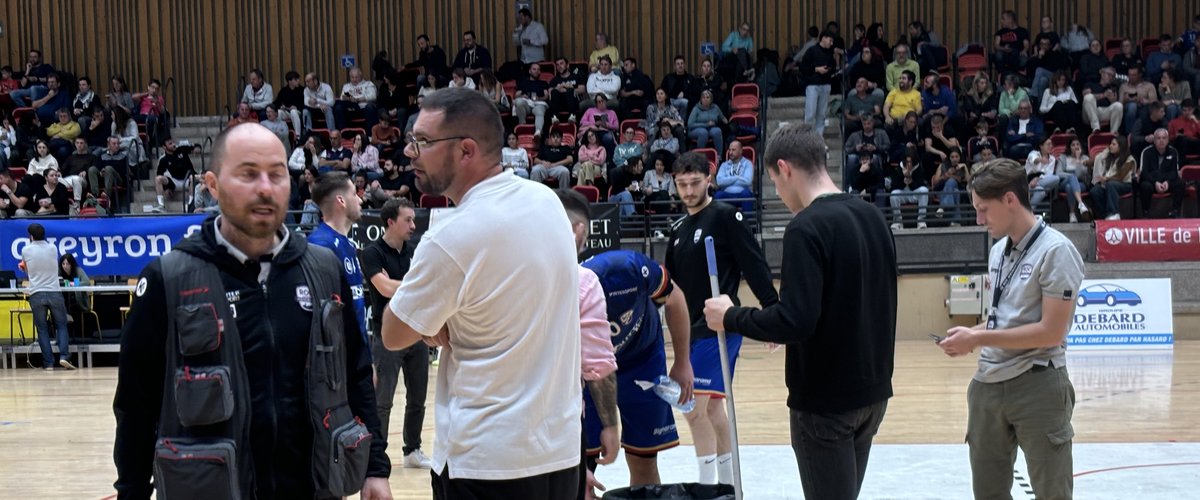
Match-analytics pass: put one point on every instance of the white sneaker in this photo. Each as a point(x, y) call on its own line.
point(571, 118)
point(897, 227)
point(158, 209)
point(922, 225)
point(941, 212)
point(66, 364)
point(1113, 217)
point(1073, 218)
point(417, 460)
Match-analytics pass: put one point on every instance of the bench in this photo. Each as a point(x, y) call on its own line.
point(9, 353)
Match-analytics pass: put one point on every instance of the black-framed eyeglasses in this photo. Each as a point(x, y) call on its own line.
point(417, 144)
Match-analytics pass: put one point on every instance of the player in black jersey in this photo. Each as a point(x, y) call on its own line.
point(738, 256)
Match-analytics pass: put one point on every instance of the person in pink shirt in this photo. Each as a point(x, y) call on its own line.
point(602, 120)
point(592, 159)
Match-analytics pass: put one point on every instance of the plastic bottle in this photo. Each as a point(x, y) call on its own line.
point(669, 391)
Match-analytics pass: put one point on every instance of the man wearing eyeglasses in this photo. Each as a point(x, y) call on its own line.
point(466, 277)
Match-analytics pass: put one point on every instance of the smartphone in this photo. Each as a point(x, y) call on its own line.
point(936, 339)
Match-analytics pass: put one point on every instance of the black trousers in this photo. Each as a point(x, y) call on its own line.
point(413, 362)
point(832, 449)
point(550, 486)
point(1176, 187)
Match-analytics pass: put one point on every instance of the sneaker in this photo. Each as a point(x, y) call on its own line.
point(955, 224)
point(554, 119)
point(941, 212)
point(417, 460)
point(922, 225)
point(1113, 217)
point(897, 227)
point(66, 364)
point(571, 118)
point(158, 209)
point(1073, 218)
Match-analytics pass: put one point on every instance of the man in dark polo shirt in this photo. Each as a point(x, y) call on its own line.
point(384, 264)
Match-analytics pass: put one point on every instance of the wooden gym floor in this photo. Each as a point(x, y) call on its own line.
point(56, 429)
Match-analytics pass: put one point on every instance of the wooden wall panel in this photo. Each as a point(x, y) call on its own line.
point(206, 46)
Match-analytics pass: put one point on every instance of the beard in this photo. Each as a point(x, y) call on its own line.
point(436, 183)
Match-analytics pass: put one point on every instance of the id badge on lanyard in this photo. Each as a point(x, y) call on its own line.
point(1003, 281)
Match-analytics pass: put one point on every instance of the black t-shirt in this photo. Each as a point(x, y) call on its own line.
point(533, 87)
point(177, 164)
point(390, 184)
point(738, 256)
point(1121, 63)
point(61, 199)
point(572, 80)
point(22, 191)
point(379, 256)
point(1098, 91)
point(554, 154)
point(1013, 38)
point(1047, 35)
point(622, 178)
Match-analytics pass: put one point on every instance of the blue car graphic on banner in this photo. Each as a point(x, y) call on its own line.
point(1107, 294)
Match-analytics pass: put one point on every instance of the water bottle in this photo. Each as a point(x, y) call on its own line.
point(669, 391)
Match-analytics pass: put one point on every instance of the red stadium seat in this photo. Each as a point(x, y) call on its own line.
point(1112, 47)
point(745, 119)
point(710, 154)
point(1099, 139)
point(745, 97)
point(639, 135)
point(592, 193)
point(749, 154)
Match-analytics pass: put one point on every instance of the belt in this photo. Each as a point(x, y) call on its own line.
point(1039, 368)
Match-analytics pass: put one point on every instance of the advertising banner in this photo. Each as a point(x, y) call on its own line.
point(103, 246)
point(1148, 240)
point(1123, 314)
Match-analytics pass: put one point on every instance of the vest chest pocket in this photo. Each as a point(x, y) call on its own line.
point(199, 328)
point(345, 459)
point(186, 469)
point(203, 395)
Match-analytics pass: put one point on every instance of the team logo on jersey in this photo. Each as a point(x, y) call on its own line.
point(141, 287)
point(614, 328)
point(696, 237)
point(233, 297)
point(645, 272)
point(1026, 271)
point(349, 265)
point(304, 298)
point(627, 317)
point(738, 216)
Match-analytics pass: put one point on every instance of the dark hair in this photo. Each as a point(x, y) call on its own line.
point(814, 31)
point(85, 79)
point(70, 260)
point(604, 58)
point(993, 179)
point(328, 184)
point(36, 232)
point(121, 80)
point(1166, 37)
point(1187, 103)
point(6, 68)
point(918, 25)
point(257, 72)
point(391, 209)
point(632, 60)
point(574, 203)
point(799, 145)
point(679, 57)
point(525, 12)
point(469, 110)
point(423, 36)
point(634, 160)
point(469, 32)
point(588, 136)
point(832, 24)
point(691, 162)
point(912, 77)
point(154, 81)
point(1157, 106)
point(291, 75)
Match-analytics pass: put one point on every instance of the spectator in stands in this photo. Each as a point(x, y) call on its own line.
point(459, 80)
point(565, 89)
point(604, 81)
point(412, 117)
point(819, 67)
point(124, 127)
point(151, 109)
point(591, 160)
point(876, 38)
point(277, 126)
point(1049, 34)
point(312, 213)
point(739, 45)
point(365, 158)
point(870, 66)
point(1041, 166)
point(1092, 62)
point(908, 186)
point(602, 120)
point(704, 124)
point(84, 103)
point(948, 181)
point(1112, 177)
point(905, 136)
point(1024, 132)
point(98, 130)
point(69, 270)
point(15, 198)
point(677, 83)
point(635, 90)
point(318, 98)
point(938, 143)
point(1164, 59)
point(981, 102)
point(1101, 101)
point(384, 135)
point(76, 166)
point(530, 37)
point(393, 184)
point(658, 185)
point(814, 36)
point(244, 115)
point(515, 158)
point(1159, 174)
point(938, 99)
point(1010, 44)
point(860, 103)
point(1073, 177)
point(119, 96)
point(835, 30)
point(924, 42)
point(532, 94)
point(307, 155)
point(869, 145)
point(1043, 65)
point(290, 101)
point(391, 101)
point(490, 87)
point(666, 140)
point(1010, 97)
point(662, 110)
point(258, 94)
point(1187, 41)
point(864, 178)
point(901, 63)
point(108, 172)
point(1185, 130)
point(335, 158)
point(625, 186)
point(430, 85)
point(1059, 104)
point(358, 96)
point(1129, 57)
point(603, 48)
point(431, 59)
point(553, 160)
point(1077, 43)
point(735, 176)
point(981, 138)
point(902, 100)
point(7, 83)
point(38, 165)
point(54, 99)
point(52, 198)
point(175, 172)
point(1143, 130)
point(62, 134)
point(472, 58)
point(36, 82)
point(8, 140)
point(628, 148)
point(1172, 90)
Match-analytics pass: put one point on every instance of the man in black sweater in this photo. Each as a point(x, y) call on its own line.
point(819, 67)
point(837, 316)
point(1160, 174)
point(738, 255)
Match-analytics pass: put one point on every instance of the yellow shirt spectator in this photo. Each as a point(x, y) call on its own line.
point(899, 103)
point(65, 131)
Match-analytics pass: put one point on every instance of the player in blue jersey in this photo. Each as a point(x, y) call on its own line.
point(340, 209)
point(634, 287)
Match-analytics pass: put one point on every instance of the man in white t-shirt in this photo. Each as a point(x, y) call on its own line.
point(508, 399)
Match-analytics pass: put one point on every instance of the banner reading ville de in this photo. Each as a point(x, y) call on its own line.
point(1148, 240)
point(119, 246)
point(1123, 314)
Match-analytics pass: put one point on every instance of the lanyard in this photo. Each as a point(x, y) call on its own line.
point(1002, 285)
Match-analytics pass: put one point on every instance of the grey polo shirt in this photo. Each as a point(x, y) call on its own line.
point(41, 263)
point(1051, 268)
